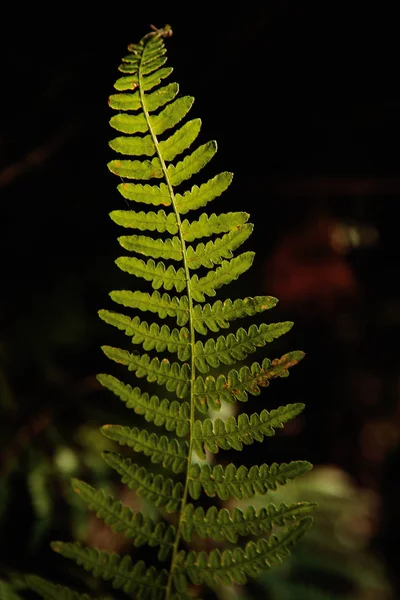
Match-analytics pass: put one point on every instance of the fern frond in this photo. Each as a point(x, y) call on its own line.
point(147, 67)
point(151, 336)
point(145, 582)
point(130, 64)
point(171, 453)
point(211, 392)
point(181, 140)
point(51, 591)
point(155, 100)
point(174, 376)
point(169, 249)
point(226, 273)
point(137, 169)
point(7, 592)
point(129, 123)
point(154, 79)
point(157, 273)
point(167, 118)
point(145, 194)
point(191, 164)
point(161, 96)
point(232, 348)
point(121, 519)
point(145, 56)
point(218, 315)
point(223, 524)
point(149, 221)
point(157, 152)
point(163, 305)
point(155, 488)
point(198, 197)
point(131, 101)
point(237, 565)
point(232, 433)
point(170, 148)
point(208, 225)
point(130, 82)
point(212, 253)
point(233, 482)
point(174, 415)
point(171, 115)
point(134, 145)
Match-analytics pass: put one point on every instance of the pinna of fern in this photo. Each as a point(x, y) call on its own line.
point(185, 261)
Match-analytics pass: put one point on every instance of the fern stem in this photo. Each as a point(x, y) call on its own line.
point(192, 336)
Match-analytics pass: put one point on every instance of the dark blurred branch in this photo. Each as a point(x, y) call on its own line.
point(38, 155)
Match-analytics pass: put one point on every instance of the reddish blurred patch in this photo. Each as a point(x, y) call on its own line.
point(309, 271)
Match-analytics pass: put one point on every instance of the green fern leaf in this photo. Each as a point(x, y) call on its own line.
point(146, 194)
point(169, 249)
point(157, 273)
point(147, 66)
point(164, 120)
point(181, 140)
point(123, 101)
point(134, 146)
point(191, 164)
point(222, 524)
point(226, 273)
point(236, 566)
point(232, 482)
point(232, 433)
point(160, 97)
point(174, 376)
point(173, 415)
point(211, 392)
point(155, 100)
point(207, 255)
point(51, 591)
point(171, 453)
point(198, 197)
point(130, 82)
point(155, 488)
point(171, 115)
point(137, 169)
point(154, 79)
point(145, 582)
point(8, 593)
point(149, 221)
point(232, 348)
point(129, 123)
point(157, 151)
point(209, 225)
point(163, 305)
point(121, 519)
point(218, 315)
point(151, 336)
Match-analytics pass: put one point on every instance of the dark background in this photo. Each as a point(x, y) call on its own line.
point(304, 103)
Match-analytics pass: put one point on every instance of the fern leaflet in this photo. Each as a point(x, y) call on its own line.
point(137, 578)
